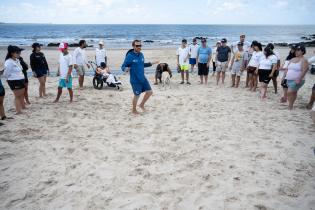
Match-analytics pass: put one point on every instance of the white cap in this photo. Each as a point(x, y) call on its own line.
point(101, 43)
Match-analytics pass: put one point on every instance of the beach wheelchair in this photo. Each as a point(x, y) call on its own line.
point(99, 80)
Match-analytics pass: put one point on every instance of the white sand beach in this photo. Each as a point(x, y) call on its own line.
point(197, 147)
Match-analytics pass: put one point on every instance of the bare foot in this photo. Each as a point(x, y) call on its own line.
point(135, 112)
point(309, 106)
point(56, 101)
point(143, 109)
point(283, 100)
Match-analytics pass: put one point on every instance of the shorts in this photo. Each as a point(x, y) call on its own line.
point(313, 88)
point(184, 67)
point(203, 69)
point(139, 88)
point(64, 84)
point(284, 83)
point(80, 70)
point(251, 70)
point(264, 76)
point(38, 73)
point(236, 70)
point(16, 84)
point(221, 66)
point(192, 61)
point(2, 91)
point(293, 86)
point(276, 74)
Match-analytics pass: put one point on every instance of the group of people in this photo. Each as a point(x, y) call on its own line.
point(15, 72)
point(261, 65)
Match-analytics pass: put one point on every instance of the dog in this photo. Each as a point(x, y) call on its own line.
point(166, 79)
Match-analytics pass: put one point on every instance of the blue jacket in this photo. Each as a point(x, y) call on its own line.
point(136, 63)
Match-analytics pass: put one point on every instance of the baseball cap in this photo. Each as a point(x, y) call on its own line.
point(240, 44)
point(223, 40)
point(184, 41)
point(34, 45)
point(12, 49)
point(101, 43)
point(63, 46)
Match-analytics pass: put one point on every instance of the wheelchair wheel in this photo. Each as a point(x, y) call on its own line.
point(98, 83)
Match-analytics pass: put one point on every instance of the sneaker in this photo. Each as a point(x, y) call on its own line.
point(188, 83)
point(182, 82)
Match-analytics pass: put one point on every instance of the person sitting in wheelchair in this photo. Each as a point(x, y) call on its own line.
point(106, 75)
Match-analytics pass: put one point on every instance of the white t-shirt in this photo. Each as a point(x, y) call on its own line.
point(214, 54)
point(64, 62)
point(100, 55)
point(266, 63)
point(13, 70)
point(254, 60)
point(193, 50)
point(183, 54)
point(79, 57)
point(277, 54)
point(246, 46)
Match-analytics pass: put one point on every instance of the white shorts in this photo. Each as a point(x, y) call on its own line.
point(221, 66)
point(236, 70)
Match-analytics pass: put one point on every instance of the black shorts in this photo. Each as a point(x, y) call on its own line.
point(2, 91)
point(25, 76)
point(251, 70)
point(40, 73)
point(284, 83)
point(203, 69)
point(276, 74)
point(313, 87)
point(16, 84)
point(264, 75)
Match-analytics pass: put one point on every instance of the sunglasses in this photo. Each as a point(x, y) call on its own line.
point(138, 46)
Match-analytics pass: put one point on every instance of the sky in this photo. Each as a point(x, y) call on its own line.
point(265, 12)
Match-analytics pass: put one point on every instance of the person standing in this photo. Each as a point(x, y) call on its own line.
point(15, 78)
point(39, 67)
point(100, 54)
point(193, 50)
point(214, 57)
point(223, 60)
point(266, 70)
point(25, 68)
point(253, 64)
point(204, 59)
point(246, 44)
point(139, 83)
point(295, 75)
point(80, 61)
point(65, 71)
point(182, 61)
point(237, 65)
point(276, 74)
point(2, 94)
point(310, 104)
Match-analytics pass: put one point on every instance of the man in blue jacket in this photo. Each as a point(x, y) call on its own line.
point(135, 61)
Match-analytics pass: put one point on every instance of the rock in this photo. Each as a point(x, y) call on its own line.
point(53, 45)
point(148, 41)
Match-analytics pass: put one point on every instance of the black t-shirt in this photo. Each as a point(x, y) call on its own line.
point(38, 61)
point(223, 53)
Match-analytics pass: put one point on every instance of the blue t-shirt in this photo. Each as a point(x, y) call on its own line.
point(136, 63)
point(203, 54)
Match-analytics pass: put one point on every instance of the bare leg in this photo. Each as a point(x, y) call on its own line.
point(187, 76)
point(218, 77)
point(182, 75)
point(284, 98)
point(238, 78)
point(17, 100)
point(275, 84)
point(41, 86)
point(44, 86)
point(250, 81)
point(146, 96)
point(201, 79)
point(71, 94)
point(223, 77)
point(263, 90)
point(233, 80)
point(2, 114)
point(291, 97)
point(247, 80)
point(58, 94)
point(81, 81)
point(206, 79)
point(26, 94)
point(255, 79)
point(134, 104)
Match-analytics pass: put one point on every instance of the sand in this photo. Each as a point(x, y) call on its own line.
point(197, 147)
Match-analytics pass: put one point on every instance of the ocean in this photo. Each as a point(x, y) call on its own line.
point(120, 36)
